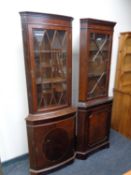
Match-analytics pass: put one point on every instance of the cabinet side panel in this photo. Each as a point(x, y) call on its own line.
point(69, 67)
point(81, 130)
point(27, 61)
point(31, 146)
point(83, 65)
point(119, 62)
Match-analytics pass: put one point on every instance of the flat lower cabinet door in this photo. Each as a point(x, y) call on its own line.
point(93, 128)
point(98, 129)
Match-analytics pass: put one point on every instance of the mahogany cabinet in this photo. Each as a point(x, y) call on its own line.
point(93, 126)
point(93, 122)
point(47, 41)
point(121, 112)
point(51, 139)
point(48, 59)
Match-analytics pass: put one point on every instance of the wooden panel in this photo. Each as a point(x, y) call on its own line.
point(51, 143)
point(98, 122)
point(81, 130)
point(97, 24)
point(123, 71)
point(121, 113)
point(93, 126)
point(83, 65)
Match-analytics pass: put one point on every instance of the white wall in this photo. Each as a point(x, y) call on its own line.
point(13, 95)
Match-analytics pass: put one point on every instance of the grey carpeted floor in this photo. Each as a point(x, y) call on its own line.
point(112, 161)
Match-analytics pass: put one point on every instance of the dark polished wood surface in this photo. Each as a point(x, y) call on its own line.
point(47, 41)
point(93, 128)
point(50, 116)
point(46, 15)
point(94, 106)
point(91, 23)
point(41, 21)
point(51, 143)
point(88, 26)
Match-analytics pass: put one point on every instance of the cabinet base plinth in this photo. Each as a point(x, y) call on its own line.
point(86, 154)
point(53, 168)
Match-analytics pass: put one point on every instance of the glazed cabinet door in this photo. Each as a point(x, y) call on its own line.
point(49, 62)
point(95, 57)
point(98, 64)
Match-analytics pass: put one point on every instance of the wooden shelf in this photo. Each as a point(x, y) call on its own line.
point(50, 80)
point(93, 75)
point(97, 50)
point(45, 65)
point(51, 51)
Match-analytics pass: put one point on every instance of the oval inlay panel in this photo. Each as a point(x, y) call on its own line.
point(56, 144)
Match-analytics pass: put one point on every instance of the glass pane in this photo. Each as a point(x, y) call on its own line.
point(98, 61)
point(50, 64)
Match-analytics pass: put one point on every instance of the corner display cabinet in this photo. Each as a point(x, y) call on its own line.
point(47, 41)
point(94, 107)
